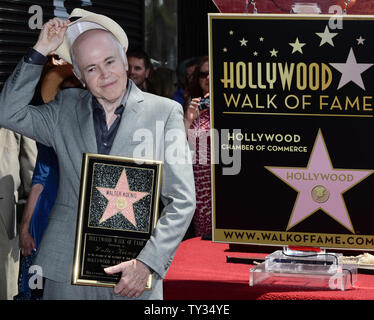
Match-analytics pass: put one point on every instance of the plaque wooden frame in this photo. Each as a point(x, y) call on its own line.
point(103, 243)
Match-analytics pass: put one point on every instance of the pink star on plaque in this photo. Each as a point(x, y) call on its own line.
point(320, 186)
point(121, 200)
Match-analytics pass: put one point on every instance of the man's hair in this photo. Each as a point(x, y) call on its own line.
point(140, 54)
point(74, 60)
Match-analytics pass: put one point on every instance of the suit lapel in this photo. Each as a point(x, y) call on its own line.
point(128, 124)
point(86, 125)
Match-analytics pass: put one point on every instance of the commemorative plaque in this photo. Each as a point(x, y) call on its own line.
point(118, 210)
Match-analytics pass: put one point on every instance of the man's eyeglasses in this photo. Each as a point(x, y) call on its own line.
point(203, 74)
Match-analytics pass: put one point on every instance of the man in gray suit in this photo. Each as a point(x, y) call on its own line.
point(103, 119)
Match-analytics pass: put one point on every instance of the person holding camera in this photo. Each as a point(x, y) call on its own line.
point(197, 125)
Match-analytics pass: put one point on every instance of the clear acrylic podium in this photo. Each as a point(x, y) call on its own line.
point(304, 268)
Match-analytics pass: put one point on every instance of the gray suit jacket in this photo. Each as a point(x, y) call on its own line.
point(66, 124)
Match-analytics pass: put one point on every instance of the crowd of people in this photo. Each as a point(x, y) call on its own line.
point(34, 167)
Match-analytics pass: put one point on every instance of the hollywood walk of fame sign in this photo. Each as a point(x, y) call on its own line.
point(292, 102)
point(118, 210)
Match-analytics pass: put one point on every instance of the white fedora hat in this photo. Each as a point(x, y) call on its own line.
point(83, 20)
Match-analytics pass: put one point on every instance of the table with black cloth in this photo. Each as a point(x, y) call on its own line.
point(200, 272)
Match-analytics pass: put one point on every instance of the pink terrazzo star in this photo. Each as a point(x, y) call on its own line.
point(320, 186)
point(121, 200)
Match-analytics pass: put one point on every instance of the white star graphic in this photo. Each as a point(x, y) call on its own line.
point(351, 70)
point(243, 42)
point(360, 40)
point(273, 53)
point(326, 37)
point(296, 46)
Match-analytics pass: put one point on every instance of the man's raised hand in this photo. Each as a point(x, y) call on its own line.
point(51, 35)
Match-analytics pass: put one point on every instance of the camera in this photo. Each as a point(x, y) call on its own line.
point(204, 104)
